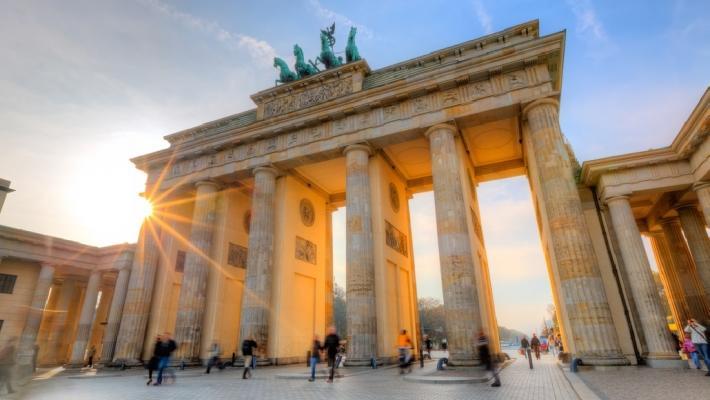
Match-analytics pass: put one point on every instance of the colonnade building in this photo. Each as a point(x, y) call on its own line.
point(240, 243)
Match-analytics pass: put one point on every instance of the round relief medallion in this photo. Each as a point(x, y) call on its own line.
point(247, 221)
point(308, 214)
point(394, 197)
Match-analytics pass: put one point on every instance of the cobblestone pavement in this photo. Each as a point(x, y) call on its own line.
point(546, 381)
point(631, 383)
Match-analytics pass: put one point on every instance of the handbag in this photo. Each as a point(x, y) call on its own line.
point(706, 335)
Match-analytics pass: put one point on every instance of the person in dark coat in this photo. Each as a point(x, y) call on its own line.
point(154, 361)
point(487, 360)
point(315, 356)
point(524, 344)
point(535, 345)
point(248, 346)
point(164, 351)
point(332, 342)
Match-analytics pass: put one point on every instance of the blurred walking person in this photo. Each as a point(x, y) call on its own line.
point(214, 359)
point(535, 344)
point(331, 345)
point(404, 346)
point(248, 346)
point(484, 352)
point(315, 356)
point(427, 345)
point(164, 350)
point(154, 361)
point(525, 346)
point(7, 364)
point(91, 354)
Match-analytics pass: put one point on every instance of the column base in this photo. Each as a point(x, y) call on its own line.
point(603, 361)
point(362, 362)
point(667, 363)
point(125, 363)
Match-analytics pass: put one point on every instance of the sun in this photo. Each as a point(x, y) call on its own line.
point(145, 208)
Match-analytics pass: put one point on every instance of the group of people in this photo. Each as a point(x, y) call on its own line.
point(331, 347)
point(695, 344)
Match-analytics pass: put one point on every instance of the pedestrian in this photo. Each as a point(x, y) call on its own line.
point(404, 345)
point(315, 356)
point(535, 345)
point(91, 354)
point(154, 361)
point(444, 344)
point(524, 345)
point(487, 360)
point(691, 351)
point(214, 358)
point(7, 364)
point(331, 345)
point(165, 350)
point(248, 346)
point(698, 335)
point(427, 345)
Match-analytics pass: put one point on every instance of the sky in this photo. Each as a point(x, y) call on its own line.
point(85, 85)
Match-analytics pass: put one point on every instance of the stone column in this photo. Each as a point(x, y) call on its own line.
point(458, 276)
point(136, 308)
point(669, 278)
point(329, 315)
point(56, 338)
point(256, 303)
point(26, 349)
point(582, 290)
point(360, 261)
point(114, 316)
point(702, 189)
point(685, 269)
point(659, 343)
point(698, 242)
point(193, 292)
point(86, 320)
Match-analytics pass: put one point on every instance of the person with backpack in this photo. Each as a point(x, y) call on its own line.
point(698, 335)
point(164, 349)
point(248, 346)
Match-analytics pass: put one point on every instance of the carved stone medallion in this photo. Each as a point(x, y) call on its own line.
point(394, 197)
point(308, 214)
point(237, 256)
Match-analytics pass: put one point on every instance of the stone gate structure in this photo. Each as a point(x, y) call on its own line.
point(240, 244)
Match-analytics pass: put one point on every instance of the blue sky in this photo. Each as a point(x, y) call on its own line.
point(85, 85)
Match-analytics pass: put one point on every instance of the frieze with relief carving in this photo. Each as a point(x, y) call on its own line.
point(308, 97)
point(237, 256)
point(306, 250)
point(396, 239)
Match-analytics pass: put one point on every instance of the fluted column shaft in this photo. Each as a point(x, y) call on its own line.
point(698, 242)
point(702, 189)
point(114, 316)
point(360, 262)
point(26, 348)
point(685, 269)
point(458, 276)
point(136, 307)
point(57, 337)
point(256, 306)
point(669, 278)
point(591, 325)
point(193, 292)
point(86, 319)
point(643, 287)
point(329, 299)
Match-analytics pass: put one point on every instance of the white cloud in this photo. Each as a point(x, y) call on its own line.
point(587, 21)
point(259, 50)
point(483, 17)
point(331, 16)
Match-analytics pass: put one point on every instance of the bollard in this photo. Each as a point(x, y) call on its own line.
point(573, 365)
point(308, 358)
point(421, 358)
point(529, 353)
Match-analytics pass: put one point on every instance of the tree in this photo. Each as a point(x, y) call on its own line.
point(339, 310)
point(431, 318)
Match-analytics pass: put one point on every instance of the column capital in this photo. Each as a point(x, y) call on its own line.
point(540, 102)
point(268, 169)
point(700, 185)
point(669, 221)
point(358, 146)
point(685, 204)
point(208, 182)
point(612, 199)
point(449, 127)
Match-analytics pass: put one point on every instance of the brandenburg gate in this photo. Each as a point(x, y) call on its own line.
point(240, 243)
